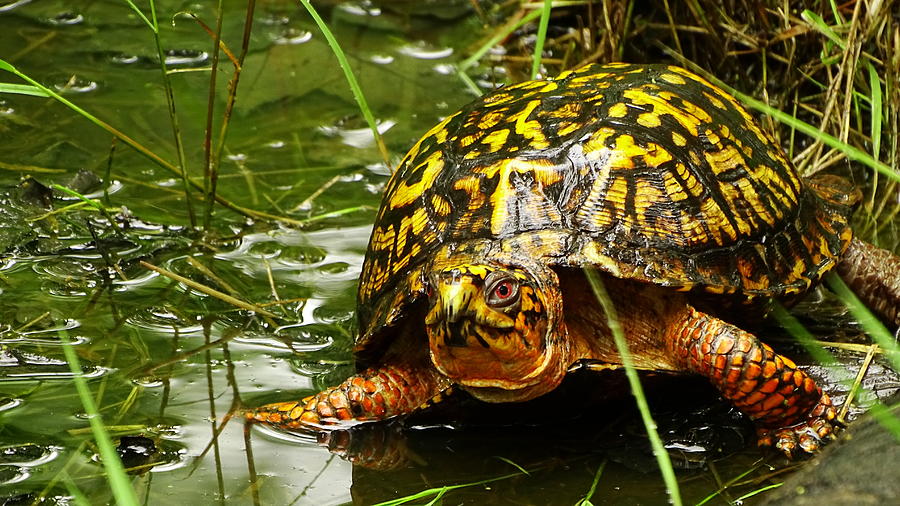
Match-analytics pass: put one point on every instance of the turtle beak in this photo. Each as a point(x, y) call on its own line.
point(455, 299)
point(454, 293)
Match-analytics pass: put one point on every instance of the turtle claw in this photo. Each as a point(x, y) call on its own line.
point(807, 436)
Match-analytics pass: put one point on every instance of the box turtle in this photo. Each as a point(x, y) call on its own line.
point(650, 175)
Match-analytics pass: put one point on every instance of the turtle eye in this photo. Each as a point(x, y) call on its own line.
point(502, 291)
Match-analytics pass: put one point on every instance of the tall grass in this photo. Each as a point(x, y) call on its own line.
point(659, 451)
point(351, 79)
point(541, 37)
point(119, 482)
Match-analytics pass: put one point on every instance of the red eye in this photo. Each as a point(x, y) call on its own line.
point(502, 290)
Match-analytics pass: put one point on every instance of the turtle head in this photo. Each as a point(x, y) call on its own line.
point(497, 330)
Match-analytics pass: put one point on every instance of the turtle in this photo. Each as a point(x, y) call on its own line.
point(647, 178)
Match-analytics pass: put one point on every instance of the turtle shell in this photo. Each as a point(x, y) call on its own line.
point(647, 172)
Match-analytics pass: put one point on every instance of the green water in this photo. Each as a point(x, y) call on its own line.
point(166, 363)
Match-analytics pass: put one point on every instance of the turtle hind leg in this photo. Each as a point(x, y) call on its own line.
point(789, 409)
point(372, 395)
point(874, 275)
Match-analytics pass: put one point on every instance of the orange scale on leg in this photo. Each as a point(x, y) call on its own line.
point(769, 386)
point(338, 400)
point(773, 401)
point(792, 410)
point(721, 362)
point(809, 385)
point(324, 409)
point(726, 344)
point(734, 375)
point(787, 390)
point(748, 386)
point(752, 371)
point(754, 398)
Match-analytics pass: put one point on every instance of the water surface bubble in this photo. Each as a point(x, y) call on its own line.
point(8, 403)
point(423, 51)
point(381, 59)
point(75, 84)
point(162, 320)
point(27, 455)
point(10, 475)
point(334, 314)
point(6, 7)
point(379, 168)
point(123, 58)
point(445, 69)
point(148, 382)
point(186, 57)
point(291, 37)
point(334, 268)
point(300, 338)
point(66, 18)
point(360, 9)
point(357, 137)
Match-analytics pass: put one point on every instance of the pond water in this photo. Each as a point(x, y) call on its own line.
point(167, 364)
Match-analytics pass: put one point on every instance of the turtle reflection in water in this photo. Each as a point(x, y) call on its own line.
point(649, 175)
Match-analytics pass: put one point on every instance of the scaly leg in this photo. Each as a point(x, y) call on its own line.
point(372, 395)
point(874, 275)
point(789, 409)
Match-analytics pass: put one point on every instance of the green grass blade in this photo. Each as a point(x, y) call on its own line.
point(851, 152)
point(886, 418)
point(79, 498)
point(440, 491)
point(869, 322)
point(351, 79)
point(211, 165)
point(799, 332)
point(472, 85)
point(659, 451)
point(22, 89)
point(173, 115)
point(493, 41)
point(119, 482)
point(142, 16)
point(750, 494)
point(587, 498)
point(819, 24)
point(517, 466)
point(877, 110)
point(88, 116)
point(541, 37)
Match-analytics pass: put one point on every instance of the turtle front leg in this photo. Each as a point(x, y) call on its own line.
point(372, 395)
point(789, 409)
